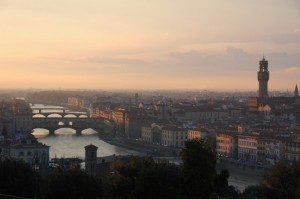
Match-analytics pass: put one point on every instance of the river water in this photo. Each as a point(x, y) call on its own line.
point(65, 143)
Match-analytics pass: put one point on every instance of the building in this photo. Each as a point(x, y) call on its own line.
point(261, 150)
point(226, 144)
point(22, 117)
point(174, 136)
point(91, 159)
point(147, 135)
point(134, 124)
point(101, 166)
point(29, 150)
point(292, 149)
point(263, 99)
point(263, 78)
point(77, 101)
point(119, 117)
point(247, 147)
point(196, 133)
point(152, 134)
point(274, 150)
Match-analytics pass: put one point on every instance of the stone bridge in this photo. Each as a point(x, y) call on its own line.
point(63, 112)
point(78, 124)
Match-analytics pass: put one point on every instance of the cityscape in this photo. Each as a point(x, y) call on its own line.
point(140, 99)
point(249, 132)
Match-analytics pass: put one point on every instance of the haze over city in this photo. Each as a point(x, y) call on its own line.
point(140, 44)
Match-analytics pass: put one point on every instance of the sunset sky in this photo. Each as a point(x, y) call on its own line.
point(148, 44)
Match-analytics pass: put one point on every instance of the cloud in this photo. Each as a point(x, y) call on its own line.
point(109, 60)
point(187, 56)
point(100, 60)
point(292, 70)
point(236, 52)
point(213, 63)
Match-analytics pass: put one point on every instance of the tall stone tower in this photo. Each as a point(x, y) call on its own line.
point(296, 92)
point(263, 78)
point(90, 158)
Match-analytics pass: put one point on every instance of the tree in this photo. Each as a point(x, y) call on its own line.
point(210, 140)
point(72, 183)
point(142, 177)
point(17, 178)
point(221, 182)
point(258, 191)
point(284, 179)
point(198, 170)
point(158, 180)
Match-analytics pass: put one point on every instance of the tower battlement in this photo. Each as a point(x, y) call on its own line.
point(263, 78)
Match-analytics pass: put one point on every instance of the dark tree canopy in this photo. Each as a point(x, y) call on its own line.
point(143, 178)
point(17, 178)
point(284, 179)
point(259, 192)
point(73, 183)
point(139, 177)
point(198, 169)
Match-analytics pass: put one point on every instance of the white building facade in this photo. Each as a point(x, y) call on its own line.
point(247, 147)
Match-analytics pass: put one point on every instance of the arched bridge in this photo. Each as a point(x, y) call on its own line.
point(78, 124)
point(63, 112)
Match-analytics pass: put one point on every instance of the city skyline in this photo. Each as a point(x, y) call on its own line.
point(148, 45)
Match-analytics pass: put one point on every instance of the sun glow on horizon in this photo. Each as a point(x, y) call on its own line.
point(148, 45)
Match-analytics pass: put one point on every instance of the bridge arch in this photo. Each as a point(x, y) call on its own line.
point(42, 131)
point(68, 131)
point(88, 131)
point(70, 115)
point(54, 115)
point(38, 115)
point(57, 131)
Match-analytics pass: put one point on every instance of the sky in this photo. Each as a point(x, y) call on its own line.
point(143, 44)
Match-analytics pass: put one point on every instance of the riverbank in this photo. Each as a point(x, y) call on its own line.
point(240, 175)
point(154, 150)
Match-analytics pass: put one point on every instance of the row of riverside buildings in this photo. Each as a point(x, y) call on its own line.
point(265, 144)
point(262, 147)
point(264, 136)
point(16, 140)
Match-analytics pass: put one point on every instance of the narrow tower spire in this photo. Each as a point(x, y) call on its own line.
point(263, 78)
point(296, 92)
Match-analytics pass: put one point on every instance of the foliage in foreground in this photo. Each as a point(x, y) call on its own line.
point(73, 183)
point(284, 180)
point(142, 177)
point(145, 178)
point(17, 178)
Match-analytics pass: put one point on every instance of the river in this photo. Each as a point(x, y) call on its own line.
point(65, 143)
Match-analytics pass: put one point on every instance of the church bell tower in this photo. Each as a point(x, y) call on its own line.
point(263, 78)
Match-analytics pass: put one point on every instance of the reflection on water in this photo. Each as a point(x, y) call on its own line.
point(65, 143)
point(241, 182)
